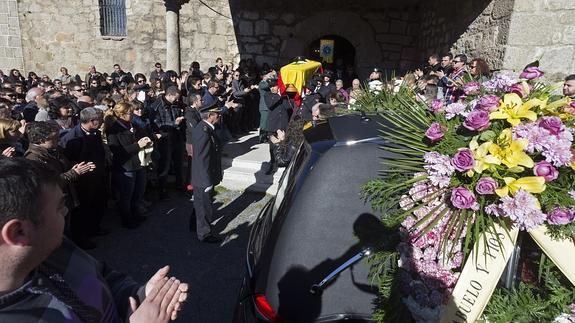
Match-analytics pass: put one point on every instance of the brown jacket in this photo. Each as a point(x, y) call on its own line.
point(56, 160)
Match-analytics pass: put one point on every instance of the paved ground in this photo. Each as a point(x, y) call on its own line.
point(214, 272)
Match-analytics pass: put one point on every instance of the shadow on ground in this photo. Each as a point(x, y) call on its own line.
point(214, 272)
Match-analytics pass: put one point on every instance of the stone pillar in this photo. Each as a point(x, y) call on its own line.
point(173, 35)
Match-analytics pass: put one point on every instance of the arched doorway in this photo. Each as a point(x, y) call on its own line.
point(343, 50)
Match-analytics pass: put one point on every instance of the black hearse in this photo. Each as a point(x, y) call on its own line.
point(304, 256)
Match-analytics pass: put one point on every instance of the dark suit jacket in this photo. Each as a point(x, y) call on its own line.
point(193, 117)
point(207, 165)
point(124, 146)
point(326, 91)
point(280, 111)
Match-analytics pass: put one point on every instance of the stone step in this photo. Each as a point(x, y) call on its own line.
point(239, 178)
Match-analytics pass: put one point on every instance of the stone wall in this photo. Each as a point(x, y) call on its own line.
point(67, 33)
point(478, 28)
point(544, 30)
point(10, 38)
point(383, 37)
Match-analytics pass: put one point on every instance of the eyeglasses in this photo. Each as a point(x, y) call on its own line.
point(472, 66)
point(454, 61)
point(94, 83)
point(141, 81)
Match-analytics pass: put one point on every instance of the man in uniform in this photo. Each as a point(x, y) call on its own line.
point(206, 172)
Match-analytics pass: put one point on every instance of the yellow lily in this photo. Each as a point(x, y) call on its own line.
point(554, 106)
point(480, 153)
point(510, 151)
point(531, 184)
point(513, 109)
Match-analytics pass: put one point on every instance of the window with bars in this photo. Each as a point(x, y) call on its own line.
point(113, 17)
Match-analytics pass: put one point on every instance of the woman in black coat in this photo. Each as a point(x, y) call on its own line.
point(128, 175)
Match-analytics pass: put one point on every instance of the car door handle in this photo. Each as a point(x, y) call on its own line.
point(318, 288)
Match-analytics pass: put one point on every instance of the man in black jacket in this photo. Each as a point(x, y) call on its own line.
point(83, 143)
point(206, 172)
point(278, 118)
point(167, 116)
point(193, 117)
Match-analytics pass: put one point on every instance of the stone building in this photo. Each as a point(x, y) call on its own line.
point(397, 35)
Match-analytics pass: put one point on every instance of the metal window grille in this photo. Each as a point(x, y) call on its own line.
point(113, 17)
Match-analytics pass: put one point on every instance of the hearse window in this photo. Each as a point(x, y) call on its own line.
point(287, 181)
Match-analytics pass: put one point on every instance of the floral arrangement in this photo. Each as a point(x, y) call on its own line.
point(502, 155)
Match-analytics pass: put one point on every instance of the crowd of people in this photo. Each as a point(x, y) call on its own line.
point(70, 145)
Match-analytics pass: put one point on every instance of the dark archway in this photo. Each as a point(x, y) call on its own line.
point(343, 50)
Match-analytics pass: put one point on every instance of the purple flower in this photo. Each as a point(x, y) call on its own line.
point(501, 81)
point(463, 198)
point(435, 132)
point(553, 124)
point(531, 72)
point(477, 120)
point(486, 186)
point(488, 102)
point(518, 89)
point(463, 160)
point(559, 216)
point(545, 169)
point(471, 88)
point(436, 105)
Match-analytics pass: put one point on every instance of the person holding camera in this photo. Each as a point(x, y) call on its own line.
point(128, 175)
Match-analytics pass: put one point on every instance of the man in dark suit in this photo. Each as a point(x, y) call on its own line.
point(206, 172)
point(193, 117)
point(83, 143)
point(279, 115)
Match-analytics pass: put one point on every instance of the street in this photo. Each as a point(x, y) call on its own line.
point(213, 271)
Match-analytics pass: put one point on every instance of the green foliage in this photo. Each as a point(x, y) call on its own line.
point(539, 302)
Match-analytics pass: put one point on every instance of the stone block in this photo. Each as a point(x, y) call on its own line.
point(394, 39)
point(262, 27)
point(502, 8)
point(528, 29)
point(246, 28)
point(254, 48)
point(3, 41)
point(251, 15)
point(271, 15)
point(4, 7)
point(569, 34)
point(18, 52)
point(63, 37)
point(207, 25)
point(526, 5)
point(557, 58)
point(289, 18)
point(13, 7)
point(224, 28)
point(380, 26)
point(158, 44)
point(281, 31)
point(559, 4)
point(200, 41)
point(218, 42)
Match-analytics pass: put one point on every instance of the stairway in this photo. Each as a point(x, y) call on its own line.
point(244, 162)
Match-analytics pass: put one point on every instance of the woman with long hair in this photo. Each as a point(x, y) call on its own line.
point(479, 69)
point(128, 175)
point(10, 135)
point(16, 77)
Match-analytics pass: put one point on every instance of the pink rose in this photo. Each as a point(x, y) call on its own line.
point(546, 170)
point(435, 132)
point(471, 88)
point(518, 89)
point(531, 72)
point(477, 120)
point(488, 102)
point(436, 105)
point(560, 216)
point(463, 160)
point(463, 198)
point(486, 186)
point(553, 124)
